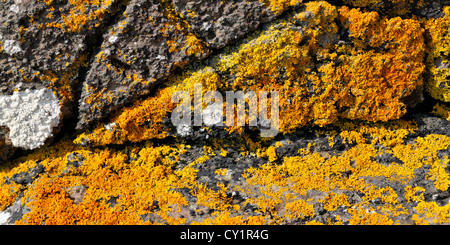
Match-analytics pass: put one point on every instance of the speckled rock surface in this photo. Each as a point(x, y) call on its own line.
point(148, 43)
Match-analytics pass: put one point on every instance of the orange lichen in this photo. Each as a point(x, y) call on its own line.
point(138, 177)
point(144, 120)
point(299, 209)
point(299, 175)
point(363, 216)
point(441, 110)
point(81, 14)
point(365, 81)
point(8, 194)
point(108, 175)
point(388, 134)
point(227, 218)
point(414, 194)
point(333, 201)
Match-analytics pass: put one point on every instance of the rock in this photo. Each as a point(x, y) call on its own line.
point(148, 43)
point(364, 126)
point(14, 212)
point(77, 193)
point(74, 161)
point(431, 9)
point(43, 47)
point(6, 148)
point(220, 23)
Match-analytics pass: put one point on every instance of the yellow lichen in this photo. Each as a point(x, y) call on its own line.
point(81, 14)
point(279, 6)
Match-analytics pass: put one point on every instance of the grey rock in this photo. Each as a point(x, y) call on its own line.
point(40, 50)
point(141, 49)
point(28, 177)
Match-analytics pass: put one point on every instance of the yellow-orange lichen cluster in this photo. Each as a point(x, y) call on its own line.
point(344, 81)
point(437, 57)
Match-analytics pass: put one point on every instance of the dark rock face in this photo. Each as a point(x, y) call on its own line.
point(432, 9)
point(221, 22)
point(6, 149)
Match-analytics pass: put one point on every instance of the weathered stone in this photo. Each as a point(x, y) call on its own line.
point(350, 149)
point(77, 193)
point(28, 177)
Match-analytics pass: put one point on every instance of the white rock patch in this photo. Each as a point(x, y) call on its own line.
point(207, 26)
point(30, 116)
point(110, 126)
point(12, 47)
point(14, 8)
